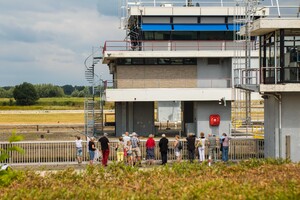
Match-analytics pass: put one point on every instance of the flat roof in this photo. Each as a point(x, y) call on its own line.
point(190, 11)
point(263, 26)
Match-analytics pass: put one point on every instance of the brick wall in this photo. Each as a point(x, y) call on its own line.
point(156, 76)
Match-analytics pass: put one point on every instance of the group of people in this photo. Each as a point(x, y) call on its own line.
point(128, 148)
point(212, 144)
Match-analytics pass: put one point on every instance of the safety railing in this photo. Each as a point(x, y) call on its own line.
point(175, 45)
point(171, 83)
point(274, 75)
point(55, 152)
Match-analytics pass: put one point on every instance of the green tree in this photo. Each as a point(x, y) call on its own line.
point(68, 89)
point(75, 93)
point(49, 90)
point(6, 93)
point(25, 94)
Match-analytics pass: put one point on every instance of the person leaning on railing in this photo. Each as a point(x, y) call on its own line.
point(212, 147)
point(78, 143)
point(225, 146)
point(104, 142)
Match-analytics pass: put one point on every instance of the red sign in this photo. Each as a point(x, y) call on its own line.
point(214, 120)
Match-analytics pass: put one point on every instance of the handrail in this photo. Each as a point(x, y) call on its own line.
point(47, 152)
point(174, 45)
point(171, 83)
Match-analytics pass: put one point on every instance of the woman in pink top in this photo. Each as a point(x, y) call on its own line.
point(225, 145)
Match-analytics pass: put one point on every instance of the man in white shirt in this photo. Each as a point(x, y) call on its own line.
point(78, 143)
point(126, 138)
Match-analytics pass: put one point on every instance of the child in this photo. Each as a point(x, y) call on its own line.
point(129, 153)
point(120, 150)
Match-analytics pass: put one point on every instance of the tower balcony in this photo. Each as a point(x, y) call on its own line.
point(172, 48)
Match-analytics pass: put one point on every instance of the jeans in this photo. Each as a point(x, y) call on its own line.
point(225, 153)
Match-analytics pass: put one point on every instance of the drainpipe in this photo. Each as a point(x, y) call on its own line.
point(280, 132)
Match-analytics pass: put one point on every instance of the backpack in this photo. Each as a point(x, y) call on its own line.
point(179, 145)
point(200, 144)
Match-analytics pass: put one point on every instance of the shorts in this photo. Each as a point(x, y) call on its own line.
point(177, 153)
point(92, 155)
point(136, 152)
point(79, 152)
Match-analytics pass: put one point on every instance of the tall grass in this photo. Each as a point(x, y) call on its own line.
point(262, 179)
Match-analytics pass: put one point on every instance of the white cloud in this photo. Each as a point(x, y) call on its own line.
point(51, 46)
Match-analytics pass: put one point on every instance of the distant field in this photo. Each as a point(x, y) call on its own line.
point(61, 103)
point(42, 118)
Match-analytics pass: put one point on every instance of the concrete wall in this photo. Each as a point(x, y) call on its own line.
point(216, 75)
point(156, 76)
point(270, 122)
point(134, 117)
point(202, 112)
point(290, 119)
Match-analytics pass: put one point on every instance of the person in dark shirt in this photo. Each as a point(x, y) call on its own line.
point(92, 149)
point(163, 147)
point(191, 139)
point(104, 143)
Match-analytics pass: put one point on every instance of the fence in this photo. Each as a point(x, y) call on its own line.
point(47, 152)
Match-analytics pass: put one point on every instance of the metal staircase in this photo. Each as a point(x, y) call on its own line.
point(93, 105)
point(246, 76)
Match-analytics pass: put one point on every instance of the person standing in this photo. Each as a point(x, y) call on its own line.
point(136, 151)
point(201, 147)
point(104, 142)
point(126, 137)
point(92, 149)
point(225, 147)
point(191, 139)
point(150, 145)
point(120, 150)
point(212, 147)
point(177, 147)
point(78, 144)
point(163, 147)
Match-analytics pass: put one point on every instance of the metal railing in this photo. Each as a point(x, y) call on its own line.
point(55, 152)
point(174, 45)
point(274, 75)
point(171, 83)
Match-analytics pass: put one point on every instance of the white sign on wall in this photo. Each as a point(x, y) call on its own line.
point(169, 111)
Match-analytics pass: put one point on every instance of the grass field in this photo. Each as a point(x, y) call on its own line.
point(61, 103)
point(250, 179)
point(54, 118)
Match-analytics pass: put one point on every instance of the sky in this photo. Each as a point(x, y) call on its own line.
point(47, 41)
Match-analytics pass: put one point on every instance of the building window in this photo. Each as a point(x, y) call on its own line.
point(164, 61)
point(150, 61)
point(137, 61)
point(157, 61)
point(213, 61)
point(190, 61)
point(182, 35)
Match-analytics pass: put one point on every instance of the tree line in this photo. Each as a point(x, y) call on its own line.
point(28, 94)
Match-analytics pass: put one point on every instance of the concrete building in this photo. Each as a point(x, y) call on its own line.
point(280, 84)
point(175, 53)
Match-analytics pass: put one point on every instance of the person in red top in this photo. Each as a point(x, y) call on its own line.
point(150, 145)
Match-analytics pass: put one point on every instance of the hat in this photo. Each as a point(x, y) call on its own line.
point(163, 135)
point(134, 134)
